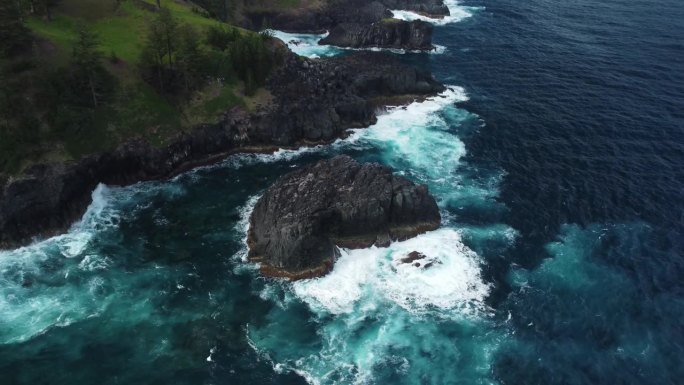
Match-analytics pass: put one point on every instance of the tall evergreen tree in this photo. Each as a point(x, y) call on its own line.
point(189, 57)
point(168, 26)
point(86, 59)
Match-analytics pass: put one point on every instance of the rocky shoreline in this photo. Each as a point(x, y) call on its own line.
point(314, 101)
point(387, 33)
point(357, 23)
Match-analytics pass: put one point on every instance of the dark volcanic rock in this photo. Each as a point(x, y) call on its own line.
point(47, 198)
point(431, 8)
point(321, 99)
point(356, 23)
point(412, 257)
point(298, 223)
point(314, 101)
point(414, 35)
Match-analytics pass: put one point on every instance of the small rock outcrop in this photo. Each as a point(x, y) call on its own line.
point(412, 257)
point(387, 33)
point(298, 224)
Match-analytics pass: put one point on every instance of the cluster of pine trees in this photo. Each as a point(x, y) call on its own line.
point(36, 102)
point(40, 104)
point(176, 63)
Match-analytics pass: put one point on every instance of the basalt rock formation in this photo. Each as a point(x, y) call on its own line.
point(431, 8)
point(313, 101)
point(356, 23)
point(299, 222)
point(387, 33)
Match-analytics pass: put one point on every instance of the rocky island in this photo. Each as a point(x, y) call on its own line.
point(299, 223)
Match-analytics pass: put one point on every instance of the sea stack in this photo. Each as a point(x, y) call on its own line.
point(299, 223)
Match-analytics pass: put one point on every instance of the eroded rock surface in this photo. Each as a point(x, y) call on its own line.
point(299, 222)
point(388, 33)
point(355, 23)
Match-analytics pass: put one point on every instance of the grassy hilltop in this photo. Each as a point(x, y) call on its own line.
point(82, 76)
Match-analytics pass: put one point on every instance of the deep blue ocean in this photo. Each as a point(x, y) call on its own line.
point(557, 159)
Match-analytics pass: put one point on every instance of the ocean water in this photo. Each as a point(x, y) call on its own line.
point(556, 158)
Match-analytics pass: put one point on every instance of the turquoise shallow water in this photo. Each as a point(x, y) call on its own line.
point(555, 158)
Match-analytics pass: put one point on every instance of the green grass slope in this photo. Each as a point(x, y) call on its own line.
point(136, 109)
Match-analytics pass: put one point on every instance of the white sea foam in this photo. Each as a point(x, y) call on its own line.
point(73, 243)
point(31, 311)
point(457, 13)
point(418, 138)
point(242, 227)
point(308, 45)
point(363, 279)
point(40, 289)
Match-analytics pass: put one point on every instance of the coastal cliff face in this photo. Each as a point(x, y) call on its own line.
point(357, 23)
point(315, 101)
point(299, 222)
point(430, 8)
point(415, 35)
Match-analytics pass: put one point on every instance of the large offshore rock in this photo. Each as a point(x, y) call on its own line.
point(387, 33)
point(298, 224)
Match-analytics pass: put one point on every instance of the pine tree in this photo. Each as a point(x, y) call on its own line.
point(86, 59)
point(189, 56)
point(168, 26)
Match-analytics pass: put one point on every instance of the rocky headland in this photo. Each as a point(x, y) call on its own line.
point(387, 33)
point(356, 23)
point(301, 220)
point(313, 101)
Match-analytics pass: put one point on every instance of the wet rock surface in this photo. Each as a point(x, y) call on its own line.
point(397, 34)
point(412, 257)
point(357, 23)
point(299, 223)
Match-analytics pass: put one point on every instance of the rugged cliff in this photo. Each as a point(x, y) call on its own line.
point(354, 23)
point(299, 222)
point(314, 101)
point(387, 33)
point(430, 8)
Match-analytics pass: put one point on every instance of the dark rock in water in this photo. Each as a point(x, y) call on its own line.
point(412, 257)
point(327, 14)
point(430, 8)
point(388, 33)
point(297, 225)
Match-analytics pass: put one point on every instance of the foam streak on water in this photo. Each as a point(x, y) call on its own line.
point(447, 280)
point(307, 45)
point(457, 13)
